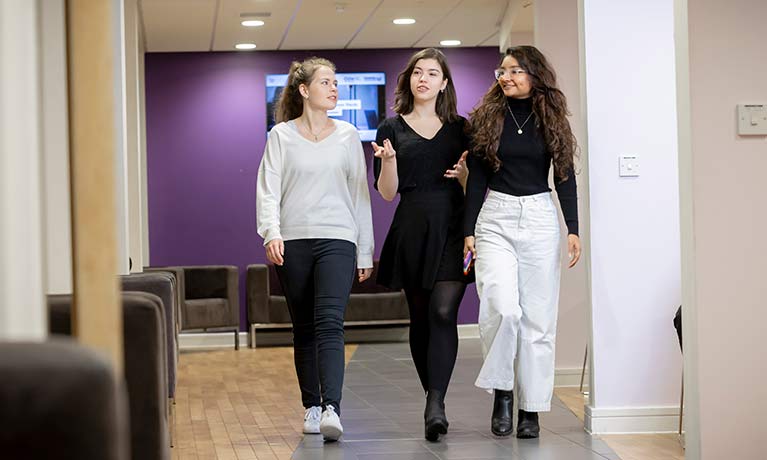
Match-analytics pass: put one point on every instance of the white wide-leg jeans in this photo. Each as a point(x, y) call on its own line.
point(518, 270)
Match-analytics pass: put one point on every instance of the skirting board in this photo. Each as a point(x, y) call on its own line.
point(631, 420)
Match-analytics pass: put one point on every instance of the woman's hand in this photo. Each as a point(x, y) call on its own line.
point(275, 249)
point(363, 274)
point(573, 249)
point(459, 171)
point(385, 153)
point(468, 245)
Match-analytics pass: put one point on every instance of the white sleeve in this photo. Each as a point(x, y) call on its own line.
point(269, 190)
point(358, 186)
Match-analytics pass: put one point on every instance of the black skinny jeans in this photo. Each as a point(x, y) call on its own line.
point(317, 277)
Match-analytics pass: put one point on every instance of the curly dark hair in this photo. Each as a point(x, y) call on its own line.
point(549, 106)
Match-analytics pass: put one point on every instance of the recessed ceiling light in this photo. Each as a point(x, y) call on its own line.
point(450, 42)
point(404, 21)
point(245, 46)
point(252, 23)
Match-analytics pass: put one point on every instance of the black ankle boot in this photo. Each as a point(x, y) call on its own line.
point(434, 415)
point(501, 422)
point(527, 425)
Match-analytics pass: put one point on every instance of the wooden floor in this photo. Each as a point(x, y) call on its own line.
point(245, 405)
point(628, 447)
point(238, 405)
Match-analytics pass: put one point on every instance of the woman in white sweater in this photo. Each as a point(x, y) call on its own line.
point(313, 211)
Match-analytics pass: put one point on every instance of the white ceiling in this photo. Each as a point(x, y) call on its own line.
point(214, 25)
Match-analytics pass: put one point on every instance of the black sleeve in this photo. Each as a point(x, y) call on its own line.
point(476, 187)
point(385, 131)
point(567, 191)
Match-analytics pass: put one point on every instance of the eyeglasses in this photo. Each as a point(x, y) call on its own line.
point(513, 72)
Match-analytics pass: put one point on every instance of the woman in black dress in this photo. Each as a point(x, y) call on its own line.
point(420, 154)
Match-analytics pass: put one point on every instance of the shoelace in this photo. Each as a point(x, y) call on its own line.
point(313, 413)
point(330, 409)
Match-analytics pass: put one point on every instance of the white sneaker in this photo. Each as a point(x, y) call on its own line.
point(330, 424)
point(312, 420)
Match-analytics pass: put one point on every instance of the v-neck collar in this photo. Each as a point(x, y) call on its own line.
point(402, 119)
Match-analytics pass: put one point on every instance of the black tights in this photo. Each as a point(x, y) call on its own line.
point(434, 331)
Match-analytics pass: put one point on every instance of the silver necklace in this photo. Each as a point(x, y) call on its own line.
point(519, 128)
point(316, 136)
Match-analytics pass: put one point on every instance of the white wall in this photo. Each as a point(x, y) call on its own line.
point(556, 36)
point(722, 185)
point(635, 247)
point(58, 222)
point(22, 312)
point(133, 138)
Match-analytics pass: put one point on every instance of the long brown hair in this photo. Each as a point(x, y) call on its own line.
point(446, 107)
point(549, 106)
point(291, 103)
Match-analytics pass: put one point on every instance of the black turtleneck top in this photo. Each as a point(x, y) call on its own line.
point(524, 170)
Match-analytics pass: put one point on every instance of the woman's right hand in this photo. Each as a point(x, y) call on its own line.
point(468, 245)
point(275, 249)
point(386, 152)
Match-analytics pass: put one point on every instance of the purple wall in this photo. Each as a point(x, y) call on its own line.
point(206, 118)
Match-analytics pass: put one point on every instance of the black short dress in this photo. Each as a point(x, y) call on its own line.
point(425, 241)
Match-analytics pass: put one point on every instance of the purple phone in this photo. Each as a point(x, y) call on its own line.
point(467, 262)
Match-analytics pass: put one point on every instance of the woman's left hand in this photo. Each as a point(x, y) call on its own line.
point(364, 273)
point(459, 171)
point(573, 249)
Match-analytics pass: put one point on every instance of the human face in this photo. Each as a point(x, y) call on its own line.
point(514, 83)
point(427, 80)
point(322, 92)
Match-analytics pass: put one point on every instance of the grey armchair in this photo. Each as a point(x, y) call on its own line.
point(145, 368)
point(60, 401)
point(163, 285)
point(211, 298)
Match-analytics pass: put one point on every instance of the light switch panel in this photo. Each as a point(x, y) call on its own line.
point(752, 119)
point(628, 166)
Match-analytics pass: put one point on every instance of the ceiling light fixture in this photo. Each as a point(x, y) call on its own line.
point(404, 21)
point(450, 42)
point(245, 46)
point(252, 23)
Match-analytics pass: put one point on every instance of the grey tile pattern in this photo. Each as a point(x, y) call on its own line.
point(382, 414)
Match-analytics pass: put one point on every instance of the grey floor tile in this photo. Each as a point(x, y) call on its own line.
point(399, 456)
point(383, 416)
point(382, 447)
point(464, 450)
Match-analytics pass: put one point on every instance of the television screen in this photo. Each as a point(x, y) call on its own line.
point(361, 100)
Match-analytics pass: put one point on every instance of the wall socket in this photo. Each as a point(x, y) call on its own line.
point(628, 166)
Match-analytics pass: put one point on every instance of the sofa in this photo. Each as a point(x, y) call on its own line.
point(370, 304)
point(145, 367)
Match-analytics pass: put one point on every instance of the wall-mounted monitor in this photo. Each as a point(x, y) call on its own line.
point(361, 100)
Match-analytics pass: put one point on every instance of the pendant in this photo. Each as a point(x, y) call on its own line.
point(519, 131)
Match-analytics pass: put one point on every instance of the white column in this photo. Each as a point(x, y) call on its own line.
point(635, 233)
point(58, 222)
point(122, 134)
point(22, 308)
point(133, 123)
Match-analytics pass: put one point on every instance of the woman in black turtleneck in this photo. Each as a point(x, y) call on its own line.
point(519, 131)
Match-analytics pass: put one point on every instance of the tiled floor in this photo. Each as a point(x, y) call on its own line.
point(382, 414)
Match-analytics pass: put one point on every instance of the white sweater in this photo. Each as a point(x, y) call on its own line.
point(315, 189)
